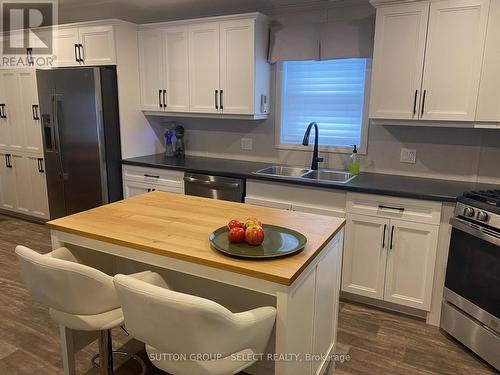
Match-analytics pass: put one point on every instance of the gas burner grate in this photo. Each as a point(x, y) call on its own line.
point(491, 197)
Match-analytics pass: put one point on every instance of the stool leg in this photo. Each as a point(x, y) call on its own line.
point(105, 353)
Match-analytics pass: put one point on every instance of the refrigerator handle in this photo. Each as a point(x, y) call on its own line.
point(57, 143)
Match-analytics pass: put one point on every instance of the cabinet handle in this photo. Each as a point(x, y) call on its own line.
point(76, 53)
point(423, 103)
point(151, 175)
point(149, 190)
point(382, 207)
point(159, 98)
point(2, 111)
point(216, 99)
point(392, 237)
point(29, 56)
point(40, 165)
point(165, 98)
point(8, 161)
point(221, 99)
point(415, 103)
point(383, 238)
point(34, 109)
point(81, 53)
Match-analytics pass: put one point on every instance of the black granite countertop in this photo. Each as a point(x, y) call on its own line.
point(372, 183)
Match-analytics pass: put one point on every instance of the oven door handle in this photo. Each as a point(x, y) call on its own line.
point(479, 232)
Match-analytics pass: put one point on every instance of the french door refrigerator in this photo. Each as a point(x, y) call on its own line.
point(81, 138)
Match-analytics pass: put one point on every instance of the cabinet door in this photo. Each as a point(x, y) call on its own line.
point(98, 45)
point(151, 69)
point(455, 44)
point(35, 170)
point(30, 111)
point(410, 264)
point(176, 67)
point(488, 101)
point(365, 251)
point(65, 39)
point(4, 122)
point(237, 66)
point(204, 68)
point(398, 60)
point(169, 189)
point(21, 169)
point(132, 188)
point(13, 110)
point(7, 184)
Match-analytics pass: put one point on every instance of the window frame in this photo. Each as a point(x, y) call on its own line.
point(362, 148)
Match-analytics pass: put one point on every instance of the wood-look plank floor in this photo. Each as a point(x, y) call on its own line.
point(377, 342)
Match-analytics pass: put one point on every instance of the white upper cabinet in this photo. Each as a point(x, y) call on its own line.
point(12, 116)
point(204, 67)
point(488, 102)
point(217, 67)
point(66, 46)
point(97, 45)
point(455, 44)
point(176, 69)
point(237, 56)
point(427, 60)
point(163, 61)
point(84, 45)
point(4, 120)
point(151, 69)
point(398, 61)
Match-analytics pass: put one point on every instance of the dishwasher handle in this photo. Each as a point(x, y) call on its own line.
point(212, 184)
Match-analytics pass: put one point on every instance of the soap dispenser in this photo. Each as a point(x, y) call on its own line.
point(353, 165)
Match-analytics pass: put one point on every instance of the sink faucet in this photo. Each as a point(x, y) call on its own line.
point(305, 142)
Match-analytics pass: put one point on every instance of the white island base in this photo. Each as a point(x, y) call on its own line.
point(307, 310)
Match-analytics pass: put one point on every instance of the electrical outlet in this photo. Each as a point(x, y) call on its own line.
point(247, 144)
point(408, 156)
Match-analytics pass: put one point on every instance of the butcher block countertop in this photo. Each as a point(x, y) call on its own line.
point(178, 226)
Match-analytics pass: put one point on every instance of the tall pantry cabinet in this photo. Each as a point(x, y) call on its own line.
point(22, 173)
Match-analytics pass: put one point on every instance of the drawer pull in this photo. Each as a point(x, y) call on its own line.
point(382, 207)
point(151, 175)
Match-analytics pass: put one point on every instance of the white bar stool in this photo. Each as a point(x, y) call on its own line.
point(188, 335)
point(79, 297)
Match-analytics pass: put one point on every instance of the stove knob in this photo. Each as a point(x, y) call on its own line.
point(482, 216)
point(469, 212)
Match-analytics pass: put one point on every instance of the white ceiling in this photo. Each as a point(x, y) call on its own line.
point(143, 11)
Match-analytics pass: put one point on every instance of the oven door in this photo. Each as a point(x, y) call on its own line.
point(473, 272)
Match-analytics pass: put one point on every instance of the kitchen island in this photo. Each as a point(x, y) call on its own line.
point(170, 232)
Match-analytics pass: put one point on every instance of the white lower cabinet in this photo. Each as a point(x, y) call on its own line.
point(410, 264)
point(140, 180)
point(365, 255)
point(23, 187)
point(387, 258)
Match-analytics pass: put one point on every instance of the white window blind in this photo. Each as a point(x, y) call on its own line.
point(331, 93)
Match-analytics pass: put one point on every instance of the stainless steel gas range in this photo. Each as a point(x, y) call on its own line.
point(471, 300)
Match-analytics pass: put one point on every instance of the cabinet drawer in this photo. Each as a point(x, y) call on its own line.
point(161, 177)
point(394, 208)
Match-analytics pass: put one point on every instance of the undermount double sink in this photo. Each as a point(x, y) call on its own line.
point(306, 174)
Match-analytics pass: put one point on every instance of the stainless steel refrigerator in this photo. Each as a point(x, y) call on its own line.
point(81, 137)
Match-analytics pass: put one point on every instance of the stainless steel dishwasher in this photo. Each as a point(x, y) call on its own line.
point(215, 187)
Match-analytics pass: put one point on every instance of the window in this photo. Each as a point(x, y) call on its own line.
point(331, 93)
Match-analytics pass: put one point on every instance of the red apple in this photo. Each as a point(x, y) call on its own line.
point(234, 224)
point(254, 235)
point(236, 235)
